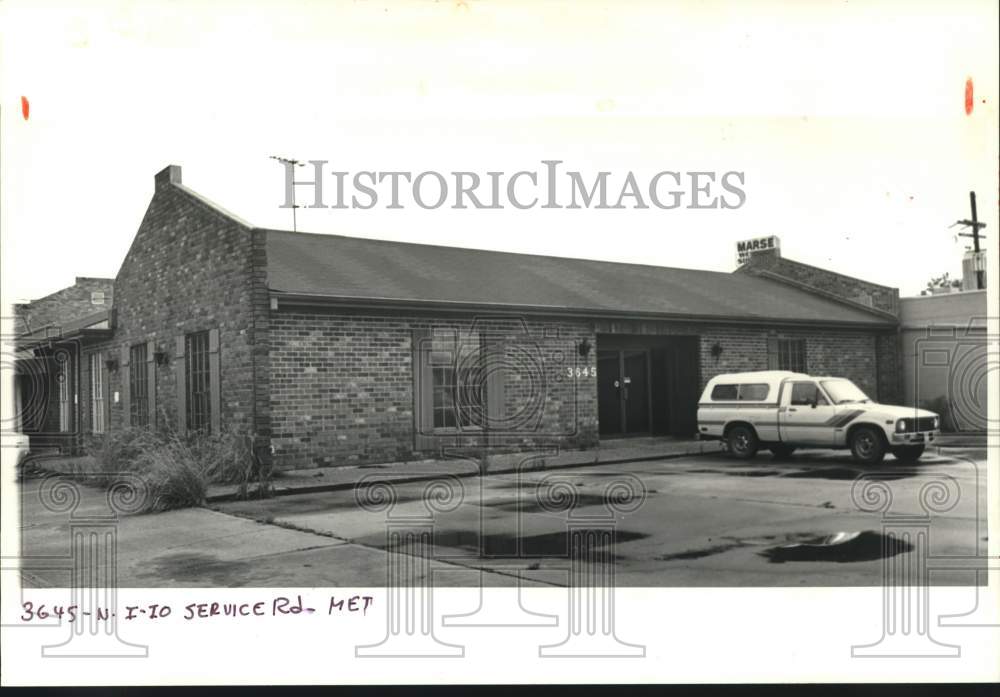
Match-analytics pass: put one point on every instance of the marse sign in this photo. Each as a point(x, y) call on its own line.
point(745, 248)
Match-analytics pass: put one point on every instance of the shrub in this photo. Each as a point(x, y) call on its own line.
point(118, 451)
point(178, 470)
point(229, 459)
point(174, 474)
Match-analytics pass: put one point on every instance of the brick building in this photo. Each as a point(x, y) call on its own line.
point(334, 350)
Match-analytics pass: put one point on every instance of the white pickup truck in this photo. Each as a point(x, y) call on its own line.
point(781, 411)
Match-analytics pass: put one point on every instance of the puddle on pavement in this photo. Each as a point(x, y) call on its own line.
point(555, 544)
point(529, 504)
point(702, 552)
point(841, 547)
point(848, 474)
point(833, 473)
point(195, 567)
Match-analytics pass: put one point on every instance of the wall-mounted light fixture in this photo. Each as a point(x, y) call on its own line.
point(111, 364)
point(716, 351)
point(584, 348)
point(161, 357)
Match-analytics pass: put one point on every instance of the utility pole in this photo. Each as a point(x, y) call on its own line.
point(975, 226)
point(293, 163)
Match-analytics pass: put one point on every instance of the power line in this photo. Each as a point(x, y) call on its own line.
point(975, 226)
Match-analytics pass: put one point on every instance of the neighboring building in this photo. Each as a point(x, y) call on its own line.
point(945, 360)
point(52, 334)
point(974, 270)
point(87, 296)
point(334, 350)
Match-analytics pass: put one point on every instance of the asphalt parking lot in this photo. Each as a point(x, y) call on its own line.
point(696, 521)
point(691, 521)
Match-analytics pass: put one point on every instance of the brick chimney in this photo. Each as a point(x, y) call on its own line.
point(171, 174)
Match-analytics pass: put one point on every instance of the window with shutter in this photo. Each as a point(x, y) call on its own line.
point(138, 385)
point(198, 388)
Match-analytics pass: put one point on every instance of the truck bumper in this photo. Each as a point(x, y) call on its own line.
point(919, 438)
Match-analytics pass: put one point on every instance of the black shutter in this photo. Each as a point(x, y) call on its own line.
point(180, 377)
point(423, 389)
point(126, 388)
point(492, 355)
point(215, 391)
point(151, 383)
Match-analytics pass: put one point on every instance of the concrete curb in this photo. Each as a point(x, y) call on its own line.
point(410, 479)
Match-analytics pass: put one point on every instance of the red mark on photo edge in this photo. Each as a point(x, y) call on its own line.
point(25, 108)
point(968, 96)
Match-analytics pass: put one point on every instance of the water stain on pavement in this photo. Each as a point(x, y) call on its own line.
point(841, 547)
point(832, 473)
point(529, 504)
point(193, 567)
point(555, 544)
point(848, 474)
point(702, 552)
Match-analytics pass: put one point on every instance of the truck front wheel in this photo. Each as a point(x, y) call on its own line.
point(742, 442)
point(867, 445)
point(908, 453)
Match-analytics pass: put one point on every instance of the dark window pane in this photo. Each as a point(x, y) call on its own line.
point(198, 382)
point(804, 393)
point(724, 393)
point(755, 392)
point(792, 355)
point(138, 385)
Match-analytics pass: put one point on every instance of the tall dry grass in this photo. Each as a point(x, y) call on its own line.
point(178, 470)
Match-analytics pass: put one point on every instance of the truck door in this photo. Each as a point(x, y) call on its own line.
point(806, 415)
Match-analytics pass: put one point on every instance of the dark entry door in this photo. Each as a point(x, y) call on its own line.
point(623, 392)
point(635, 398)
point(609, 408)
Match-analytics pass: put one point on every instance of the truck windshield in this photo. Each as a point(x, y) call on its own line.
point(844, 392)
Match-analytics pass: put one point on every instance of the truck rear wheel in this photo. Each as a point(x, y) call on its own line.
point(867, 445)
point(742, 442)
point(908, 453)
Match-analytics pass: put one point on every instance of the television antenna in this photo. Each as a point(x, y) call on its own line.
point(294, 163)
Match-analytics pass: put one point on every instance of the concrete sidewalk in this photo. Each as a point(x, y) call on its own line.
point(460, 462)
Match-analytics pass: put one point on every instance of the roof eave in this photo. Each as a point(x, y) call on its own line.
point(288, 299)
point(81, 335)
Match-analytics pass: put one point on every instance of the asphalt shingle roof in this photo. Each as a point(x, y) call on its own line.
point(352, 268)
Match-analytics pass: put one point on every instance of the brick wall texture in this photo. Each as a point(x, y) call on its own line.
point(192, 268)
point(342, 390)
point(845, 287)
point(66, 305)
point(332, 386)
